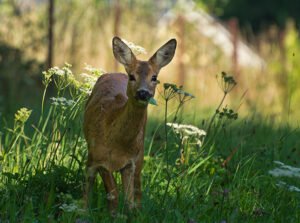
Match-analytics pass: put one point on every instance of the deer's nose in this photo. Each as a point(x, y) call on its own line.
point(143, 95)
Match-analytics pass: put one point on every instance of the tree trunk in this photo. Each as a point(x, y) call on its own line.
point(117, 20)
point(50, 33)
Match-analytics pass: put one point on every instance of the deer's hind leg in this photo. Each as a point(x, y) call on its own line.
point(111, 189)
point(90, 179)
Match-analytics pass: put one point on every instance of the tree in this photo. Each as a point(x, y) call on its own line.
point(259, 14)
point(50, 33)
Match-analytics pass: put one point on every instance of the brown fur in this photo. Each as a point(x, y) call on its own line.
point(114, 125)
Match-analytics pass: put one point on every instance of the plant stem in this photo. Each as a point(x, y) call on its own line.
point(43, 99)
point(214, 116)
point(166, 132)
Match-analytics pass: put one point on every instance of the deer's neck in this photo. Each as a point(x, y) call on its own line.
point(130, 122)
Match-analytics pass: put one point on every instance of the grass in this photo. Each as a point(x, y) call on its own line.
point(225, 180)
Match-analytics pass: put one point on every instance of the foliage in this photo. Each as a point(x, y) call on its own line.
point(18, 77)
point(24, 31)
point(258, 14)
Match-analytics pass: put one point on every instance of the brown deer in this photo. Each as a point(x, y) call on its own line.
point(114, 122)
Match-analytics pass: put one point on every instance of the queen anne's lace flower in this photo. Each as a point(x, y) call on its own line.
point(61, 101)
point(286, 171)
point(188, 131)
point(135, 48)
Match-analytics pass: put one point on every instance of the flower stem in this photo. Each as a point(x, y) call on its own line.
point(214, 116)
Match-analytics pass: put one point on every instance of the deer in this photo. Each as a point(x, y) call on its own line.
point(115, 118)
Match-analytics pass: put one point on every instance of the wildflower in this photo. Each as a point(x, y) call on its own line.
point(22, 115)
point(89, 79)
point(69, 207)
point(188, 131)
point(226, 83)
point(288, 187)
point(135, 48)
point(228, 113)
point(285, 170)
point(70, 204)
point(94, 71)
point(61, 101)
point(171, 90)
point(46, 78)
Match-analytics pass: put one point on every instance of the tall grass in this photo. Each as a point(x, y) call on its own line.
point(226, 179)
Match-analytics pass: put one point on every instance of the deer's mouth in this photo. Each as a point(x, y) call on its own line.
point(143, 95)
point(142, 102)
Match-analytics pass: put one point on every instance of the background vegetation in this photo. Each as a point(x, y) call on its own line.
point(246, 169)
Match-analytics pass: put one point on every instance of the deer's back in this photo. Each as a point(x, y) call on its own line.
point(109, 91)
point(107, 98)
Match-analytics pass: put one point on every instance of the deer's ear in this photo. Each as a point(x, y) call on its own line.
point(122, 52)
point(164, 54)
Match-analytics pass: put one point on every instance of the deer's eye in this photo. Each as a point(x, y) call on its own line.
point(131, 77)
point(154, 78)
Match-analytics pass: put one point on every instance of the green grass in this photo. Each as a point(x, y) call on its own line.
point(43, 166)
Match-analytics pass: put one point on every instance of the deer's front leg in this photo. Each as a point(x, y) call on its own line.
point(138, 178)
point(127, 174)
point(111, 190)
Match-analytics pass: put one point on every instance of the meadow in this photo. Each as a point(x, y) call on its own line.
point(220, 150)
point(213, 167)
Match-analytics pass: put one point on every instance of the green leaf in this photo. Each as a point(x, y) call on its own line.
point(152, 101)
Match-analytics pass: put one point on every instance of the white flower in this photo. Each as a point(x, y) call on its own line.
point(188, 131)
point(94, 71)
point(61, 101)
point(289, 187)
point(69, 207)
point(285, 170)
point(57, 71)
point(135, 48)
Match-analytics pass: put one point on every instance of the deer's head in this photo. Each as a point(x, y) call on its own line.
point(142, 75)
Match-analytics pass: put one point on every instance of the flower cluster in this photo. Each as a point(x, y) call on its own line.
point(226, 82)
point(188, 131)
point(70, 205)
point(171, 90)
point(22, 115)
point(135, 48)
point(61, 101)
point(285, 171)
point(287, 186)
point(228, 113)
point(63, 77)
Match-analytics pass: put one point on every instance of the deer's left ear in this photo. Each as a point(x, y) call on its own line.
point(164, 54)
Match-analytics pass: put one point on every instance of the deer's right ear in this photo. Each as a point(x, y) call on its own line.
point(122, 52)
